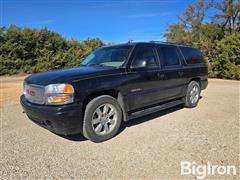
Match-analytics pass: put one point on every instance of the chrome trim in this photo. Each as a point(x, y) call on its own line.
point(46, 95)
point(41, 93)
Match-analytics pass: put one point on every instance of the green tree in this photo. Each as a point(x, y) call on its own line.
point(31, 50)
point(226, 63)
point(177, 33)
point(189, 28)
point(228, 16)
point(192, 29)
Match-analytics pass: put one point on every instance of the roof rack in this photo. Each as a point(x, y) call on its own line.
point(130, 41)
point(168, 43)
point(152, 41)
point(164, 42)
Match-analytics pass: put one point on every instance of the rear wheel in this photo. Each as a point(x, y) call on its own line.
point(102, 119)
point(193, 94)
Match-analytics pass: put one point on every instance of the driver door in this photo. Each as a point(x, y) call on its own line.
point(143, 85)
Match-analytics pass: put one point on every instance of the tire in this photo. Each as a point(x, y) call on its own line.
point(193, 95)
point(102, 118)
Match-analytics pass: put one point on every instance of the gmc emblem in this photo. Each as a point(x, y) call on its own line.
point(31, 92)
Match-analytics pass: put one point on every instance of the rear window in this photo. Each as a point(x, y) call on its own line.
point(192, 55)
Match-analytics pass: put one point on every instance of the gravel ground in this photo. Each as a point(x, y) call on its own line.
point(151, 147)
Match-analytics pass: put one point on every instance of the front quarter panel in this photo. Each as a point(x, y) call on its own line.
point(111, 81)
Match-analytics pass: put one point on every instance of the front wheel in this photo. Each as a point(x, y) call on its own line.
point(193, 95)
point(102, 119)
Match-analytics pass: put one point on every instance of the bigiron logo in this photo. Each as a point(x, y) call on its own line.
point(202, 171)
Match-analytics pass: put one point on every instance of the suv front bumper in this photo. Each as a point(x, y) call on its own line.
point(64, 119)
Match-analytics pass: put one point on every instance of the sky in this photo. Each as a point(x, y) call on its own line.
point(112, 21)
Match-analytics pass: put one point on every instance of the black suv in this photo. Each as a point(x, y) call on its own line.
point(114, 84)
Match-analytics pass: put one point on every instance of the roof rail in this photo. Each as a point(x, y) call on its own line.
point(152, 41)
point(168, 43)
point(161, 42)
point(130, 41)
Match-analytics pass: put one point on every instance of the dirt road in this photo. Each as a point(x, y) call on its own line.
point(149, 147)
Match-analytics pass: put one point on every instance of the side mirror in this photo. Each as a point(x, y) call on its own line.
point(139, 64)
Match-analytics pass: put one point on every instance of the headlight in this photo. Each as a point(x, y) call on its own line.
point(57, 94)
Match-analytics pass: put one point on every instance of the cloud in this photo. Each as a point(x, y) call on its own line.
point(147, 15)
point(142, 15)
point(142, 35)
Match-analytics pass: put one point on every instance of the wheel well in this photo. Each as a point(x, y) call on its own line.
point(198, 80)
point(111, 92)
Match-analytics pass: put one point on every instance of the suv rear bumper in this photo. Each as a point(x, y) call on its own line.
point(204, 84)
point(64, 120)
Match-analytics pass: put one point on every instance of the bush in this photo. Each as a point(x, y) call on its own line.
point(25, 50)
point(226, 63)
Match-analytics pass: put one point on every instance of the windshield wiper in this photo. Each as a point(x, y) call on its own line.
point(99, 65)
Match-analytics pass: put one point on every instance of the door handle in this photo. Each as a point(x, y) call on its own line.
point(180, 73)
point(161, 75)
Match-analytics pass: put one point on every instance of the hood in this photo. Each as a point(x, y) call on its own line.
point(68, 75)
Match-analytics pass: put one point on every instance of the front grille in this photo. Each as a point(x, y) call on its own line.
point(34, 93)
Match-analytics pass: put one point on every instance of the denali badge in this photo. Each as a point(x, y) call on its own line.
point(135, 90)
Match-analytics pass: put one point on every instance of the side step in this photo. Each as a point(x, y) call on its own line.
point(155, 109)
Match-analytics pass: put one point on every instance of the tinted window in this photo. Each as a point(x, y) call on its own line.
point(192, 55)
point(169, 56)
point(145, 53)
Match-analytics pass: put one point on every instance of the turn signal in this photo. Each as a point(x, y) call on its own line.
point(68, 89)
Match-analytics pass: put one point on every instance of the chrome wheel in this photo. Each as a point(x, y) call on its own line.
point(194, 94)
point(104, 119)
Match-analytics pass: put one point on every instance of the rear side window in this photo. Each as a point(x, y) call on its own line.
point(192, 55)
point(169, 56)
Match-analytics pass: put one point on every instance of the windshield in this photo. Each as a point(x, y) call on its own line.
point(108, 56)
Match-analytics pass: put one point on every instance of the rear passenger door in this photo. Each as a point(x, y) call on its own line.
point(173, 82)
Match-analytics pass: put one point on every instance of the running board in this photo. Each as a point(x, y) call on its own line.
point(155, 109)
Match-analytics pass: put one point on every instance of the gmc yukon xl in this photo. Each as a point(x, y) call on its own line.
point(114, 84)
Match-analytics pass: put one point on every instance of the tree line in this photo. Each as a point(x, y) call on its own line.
point(217, 36)
point(27, 50)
